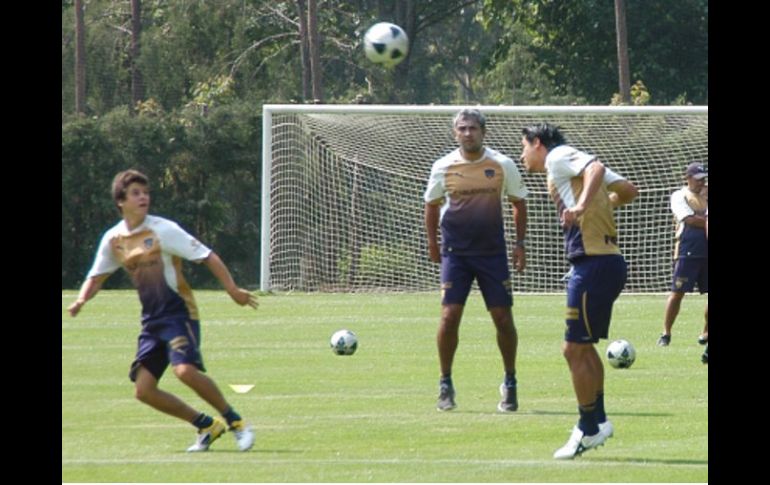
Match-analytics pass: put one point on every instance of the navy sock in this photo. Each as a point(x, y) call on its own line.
point(510, 379)
point(230, 415)
point(446, 380)
point(202, 421)
point(588, 423)
point(601, 416)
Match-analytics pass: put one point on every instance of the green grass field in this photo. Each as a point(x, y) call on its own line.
point(371, 417)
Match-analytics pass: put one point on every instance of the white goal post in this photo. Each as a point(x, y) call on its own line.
point(342, 186)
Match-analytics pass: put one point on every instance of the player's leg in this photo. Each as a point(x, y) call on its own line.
point(447, 336)
point(146, 390)
point(456, 280)
point(146, 371)
point(684, 279)
point(183, 336)
point(703, 287)
point(595, 284)
point(673, 304)
point(494, 281)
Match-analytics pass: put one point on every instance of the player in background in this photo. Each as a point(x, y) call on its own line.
point(705, 357)
point(464, 198)
point(691, 251)
point(151, 249)
point(585, 193)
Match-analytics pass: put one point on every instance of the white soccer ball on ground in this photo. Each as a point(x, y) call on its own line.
point(621, 354)
point(386, 44)
point(344, 342)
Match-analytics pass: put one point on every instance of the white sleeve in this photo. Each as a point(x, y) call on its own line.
point(104, 262)
point(175, 240)
point(565, 162)
point(680, 207)
point(610, 176)
point(514, 185)
point(435, 188)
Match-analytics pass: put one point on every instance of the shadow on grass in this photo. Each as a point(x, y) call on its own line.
point(611, 414)
point(646, 461)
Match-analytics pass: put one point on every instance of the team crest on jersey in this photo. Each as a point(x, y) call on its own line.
point(148, 243)
point(489, 173)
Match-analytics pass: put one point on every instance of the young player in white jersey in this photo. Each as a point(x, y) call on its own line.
point(151, 250)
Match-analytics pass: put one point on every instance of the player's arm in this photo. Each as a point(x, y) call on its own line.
point(88, 290)
point(593, 178)
point(622, 192)
point(432, 213)
point(695, 221)
point(217, 267)
point(520, 220)
point(684, 213)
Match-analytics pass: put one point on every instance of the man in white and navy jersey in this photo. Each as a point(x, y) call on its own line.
point(464, 198)
point(585, 192)
point(691, 250)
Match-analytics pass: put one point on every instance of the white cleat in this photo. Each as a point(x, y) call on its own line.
point(607, 428)
point(578, 442)
point(244, 435)
point(206, 436)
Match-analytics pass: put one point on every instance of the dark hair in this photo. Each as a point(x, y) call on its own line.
point(121, 182)
point(473, 114)
point(549, 135)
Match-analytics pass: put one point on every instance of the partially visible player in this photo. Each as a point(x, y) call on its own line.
point(705, 357)
point(691, 252)
point(464, 198)
point(585, 193)
point(151, 250)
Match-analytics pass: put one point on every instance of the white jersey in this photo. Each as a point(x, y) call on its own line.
point(152, 254)
point(595, 232)
point(471, 192)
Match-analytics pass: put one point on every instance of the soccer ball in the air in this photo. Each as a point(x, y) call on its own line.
point(386, 44)
point(344, 342)
point(621, 354)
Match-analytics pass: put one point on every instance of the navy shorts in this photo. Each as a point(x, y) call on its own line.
point(592, 289)
point(172, 340)
point(491, 272)
point(687, 272)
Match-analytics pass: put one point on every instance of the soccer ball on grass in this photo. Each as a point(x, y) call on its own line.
point(386, 44)
point(621, 354)
point(344, 342)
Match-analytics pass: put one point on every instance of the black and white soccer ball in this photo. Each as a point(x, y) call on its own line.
point(386, 44)
point(621, 354)
point(344, 342)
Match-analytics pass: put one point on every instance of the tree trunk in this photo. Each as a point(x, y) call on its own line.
point(315, 51)
point(304, 46)
point(137, 84)
point(80, 59)
point(624, 80)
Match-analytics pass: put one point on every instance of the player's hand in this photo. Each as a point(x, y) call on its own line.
point(571, 215)
point(244, 297)
point(519, 259)
point(434, 253)
point(74, 309)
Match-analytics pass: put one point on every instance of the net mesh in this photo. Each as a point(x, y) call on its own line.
point(346, 207)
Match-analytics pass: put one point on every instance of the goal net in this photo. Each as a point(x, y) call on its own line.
point(342, 206)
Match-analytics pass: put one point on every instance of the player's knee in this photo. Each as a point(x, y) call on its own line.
point(143, 393)
point(185, 372)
